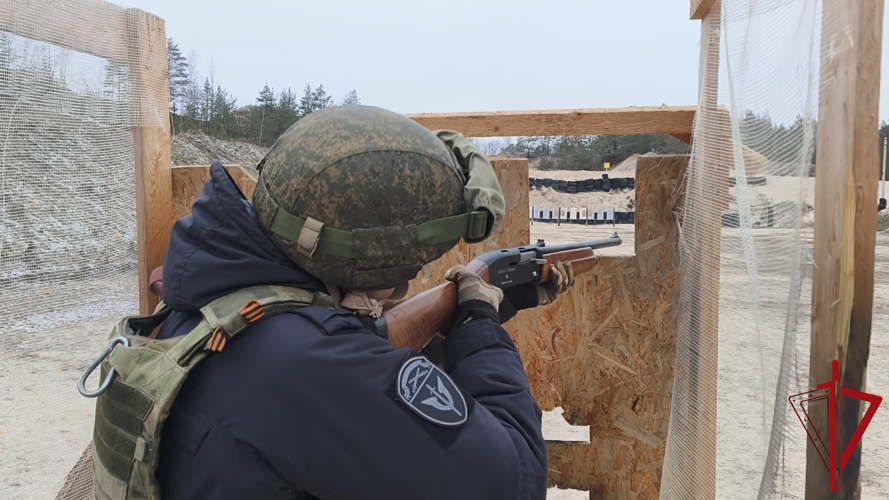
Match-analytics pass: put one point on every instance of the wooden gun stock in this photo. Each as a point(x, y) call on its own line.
point(415, 321)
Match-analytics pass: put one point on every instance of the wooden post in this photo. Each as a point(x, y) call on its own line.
point(709, 185)
point(700, 8)
point(847, 162)
point(150, 82)
point(690, 464)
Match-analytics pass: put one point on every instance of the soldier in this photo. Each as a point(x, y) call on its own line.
point(306, 402)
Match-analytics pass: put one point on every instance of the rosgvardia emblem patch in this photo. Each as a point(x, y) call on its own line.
point(431, 393)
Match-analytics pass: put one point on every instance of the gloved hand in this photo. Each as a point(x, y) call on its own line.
point(561, 277)
point(471, 287)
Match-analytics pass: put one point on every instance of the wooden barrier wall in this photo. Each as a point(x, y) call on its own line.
point(188, 182)
point(605, 351)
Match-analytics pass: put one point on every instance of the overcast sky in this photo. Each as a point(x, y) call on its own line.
point(460, 55)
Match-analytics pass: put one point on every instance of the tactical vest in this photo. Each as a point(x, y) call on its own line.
point(146, 375)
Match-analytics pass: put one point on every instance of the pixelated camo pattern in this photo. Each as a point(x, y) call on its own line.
point(366, 170)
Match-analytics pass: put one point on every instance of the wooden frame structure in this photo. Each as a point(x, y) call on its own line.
point(846, 183)
point(844, 236)
point(606, 352)
point(136, 39)
point(845, 216)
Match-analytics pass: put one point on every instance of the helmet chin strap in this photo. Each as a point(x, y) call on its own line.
point(360, 303)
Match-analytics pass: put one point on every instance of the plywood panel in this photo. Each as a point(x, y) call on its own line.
point(605, 352)
point(642, 120)
point(188, 182)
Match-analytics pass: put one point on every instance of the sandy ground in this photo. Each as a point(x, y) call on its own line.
point(783, 193)
point(749, 361)
point(44, 422)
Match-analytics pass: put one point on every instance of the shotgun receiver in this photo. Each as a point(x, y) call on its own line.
point(413, 322)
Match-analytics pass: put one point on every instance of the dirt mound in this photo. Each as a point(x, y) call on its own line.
point(628, 166)
point(621, 200)
point(193, 148)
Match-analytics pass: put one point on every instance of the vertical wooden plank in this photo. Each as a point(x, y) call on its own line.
point(847, 162)
point(690, 462)
point(711, 185)
point(150, 90)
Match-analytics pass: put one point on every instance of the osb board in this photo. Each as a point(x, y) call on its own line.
point(188, 182)
point(605, 351)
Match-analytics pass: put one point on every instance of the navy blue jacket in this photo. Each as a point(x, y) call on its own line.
point(301, 405)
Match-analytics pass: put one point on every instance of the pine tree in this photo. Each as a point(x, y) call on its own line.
point(305, 105)
point(266, 97)
point(312, 101)
point(266, 101)
point(192, 99)
point(320, 99)
point(287, 112)
point(206, 105)
point(351, 98)
point(179, 81)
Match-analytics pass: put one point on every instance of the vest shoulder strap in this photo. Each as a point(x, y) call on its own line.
point(150, 374)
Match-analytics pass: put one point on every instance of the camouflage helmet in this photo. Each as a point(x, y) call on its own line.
point(362, 198)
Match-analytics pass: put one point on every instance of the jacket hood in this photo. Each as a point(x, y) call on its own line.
point(220, 248)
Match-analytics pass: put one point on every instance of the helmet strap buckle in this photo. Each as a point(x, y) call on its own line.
point(308, 237)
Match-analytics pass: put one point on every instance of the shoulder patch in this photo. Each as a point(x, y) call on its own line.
point(430, 393)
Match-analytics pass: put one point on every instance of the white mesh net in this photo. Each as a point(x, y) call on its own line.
point(67, 222)
point(747, 238)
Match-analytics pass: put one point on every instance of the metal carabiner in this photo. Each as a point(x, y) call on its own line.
point(81, 384)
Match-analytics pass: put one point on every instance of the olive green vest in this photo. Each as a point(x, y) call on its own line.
point(149, 373)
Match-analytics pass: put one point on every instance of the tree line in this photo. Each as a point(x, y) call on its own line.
point(589, 152)
point(205, 106)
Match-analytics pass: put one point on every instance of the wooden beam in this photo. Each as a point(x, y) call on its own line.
point(151, 145)
point(711, 184)
point(700, 8)
point(847, 169)
point(616, 121)
point(89, 26)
